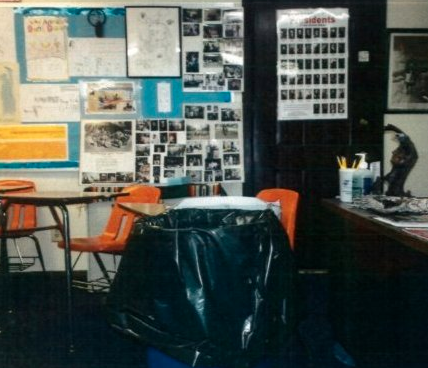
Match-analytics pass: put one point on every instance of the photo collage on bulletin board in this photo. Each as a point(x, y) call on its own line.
point(213, 49)
point(122, 118)
point(206, 145)
point(312, 64)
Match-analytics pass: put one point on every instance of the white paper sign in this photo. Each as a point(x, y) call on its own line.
point(164, 97)
point(93, 57)
point(50, 102)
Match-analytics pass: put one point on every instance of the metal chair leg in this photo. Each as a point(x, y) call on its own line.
point(102, 268)
point(39, 251)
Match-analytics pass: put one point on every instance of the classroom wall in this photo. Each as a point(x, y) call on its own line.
point(409, 14)
point(68, 179)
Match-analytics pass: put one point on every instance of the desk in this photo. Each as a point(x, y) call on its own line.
point(144, 209)
point(378, 283)
point(365, 219)
point(53, 200)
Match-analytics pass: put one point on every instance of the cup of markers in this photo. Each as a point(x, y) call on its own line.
point(346, 175)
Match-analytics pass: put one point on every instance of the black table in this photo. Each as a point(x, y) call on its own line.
point(367, 220)
point(53, 200)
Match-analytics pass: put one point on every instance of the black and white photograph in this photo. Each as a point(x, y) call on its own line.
point(408, 71)
point(233, 16)
point(194, 160)
point(191, 29)
point(194, 147)
point(230, 146)
point(212, 150)
point(212, 60)
point(191, 15)
point(193, 81)
point(142, 138)
point(234, 84)
point(212, 15)
point(233, 71)
point(159, 148)
point(176, 125)
point(211, 46)
point(143, 125)
point(231, 114)
point(107, 136)
point(226, 131)
point(142, 149)
point(233, 30)
point(192, 62)
point(176, 150)
point(194, 112)
point(197, 130)
point(213, 164)
point(231, 160)
point(194, 175)
point(212, 31)
point(214, 81)
point(173, 162)
point(232, 174)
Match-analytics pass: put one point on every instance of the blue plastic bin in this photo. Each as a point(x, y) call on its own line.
point(157, 359)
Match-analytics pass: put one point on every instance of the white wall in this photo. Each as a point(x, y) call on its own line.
point(409, 14)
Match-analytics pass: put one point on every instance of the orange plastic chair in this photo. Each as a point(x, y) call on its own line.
point(22, 223)
point(119, 227)
point(289, 201)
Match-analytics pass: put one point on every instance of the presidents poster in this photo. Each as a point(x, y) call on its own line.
point(312, 63)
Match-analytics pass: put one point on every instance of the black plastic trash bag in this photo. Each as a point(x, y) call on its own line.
point(207, 287)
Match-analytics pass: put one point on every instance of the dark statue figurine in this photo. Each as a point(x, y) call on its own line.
point(403, 159)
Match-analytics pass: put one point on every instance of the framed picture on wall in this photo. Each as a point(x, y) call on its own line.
point(153, 42)
point(408, 71)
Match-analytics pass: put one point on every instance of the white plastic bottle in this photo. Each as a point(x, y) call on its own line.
point(363, 179)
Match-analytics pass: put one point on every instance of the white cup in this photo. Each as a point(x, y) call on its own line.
point(345, 184)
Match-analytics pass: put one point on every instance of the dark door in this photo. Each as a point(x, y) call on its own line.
point(301, 154)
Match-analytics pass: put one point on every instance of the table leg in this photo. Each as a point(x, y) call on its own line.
point(68, 271)
point(6, 310)
point(4, 263)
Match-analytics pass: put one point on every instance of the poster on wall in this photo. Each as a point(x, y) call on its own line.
point(107, 152)
point(153, 41)
point(312, 63)
point(46, 48)
point(213, 49)
point(205, 145)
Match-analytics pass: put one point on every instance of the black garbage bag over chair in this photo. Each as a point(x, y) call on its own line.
point(208, 287)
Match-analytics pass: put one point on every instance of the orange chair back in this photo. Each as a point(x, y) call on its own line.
point(289, 200)
point(120, 223)
point(19, 216)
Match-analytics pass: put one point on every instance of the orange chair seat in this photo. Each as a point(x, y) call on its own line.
point(96, 244)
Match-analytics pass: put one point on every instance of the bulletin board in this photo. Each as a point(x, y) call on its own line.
point(67, 86)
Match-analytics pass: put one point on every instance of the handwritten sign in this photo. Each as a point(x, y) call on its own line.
point(50, 103)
